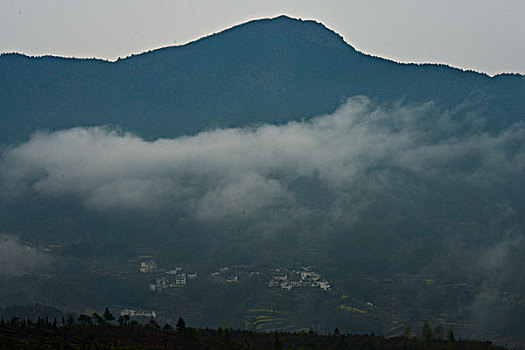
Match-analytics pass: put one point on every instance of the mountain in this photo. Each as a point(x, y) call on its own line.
point(264, 71)
point(302, 184)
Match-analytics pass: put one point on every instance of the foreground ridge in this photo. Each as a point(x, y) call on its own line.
point(43, 334)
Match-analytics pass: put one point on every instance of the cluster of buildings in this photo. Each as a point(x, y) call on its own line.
point(288, 279)
point(138, 313)
point(225, 275)
point(280, 278)
point(148, 266)
point(163, 282)
point(176, 278)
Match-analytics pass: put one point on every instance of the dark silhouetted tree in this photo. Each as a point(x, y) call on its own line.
point(450, 335)
point(85, 320)
point(407, 332)
point(14, 322)
point(99, 320)
point(70, 320)
point(181, 325)
point(126, 320)
point(277, 342)
point(439, 333)
point(153, 324)
point(108, 316)
point(426, 332)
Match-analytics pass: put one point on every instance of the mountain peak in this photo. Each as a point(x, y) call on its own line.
point(270, 70)
point(282, 29)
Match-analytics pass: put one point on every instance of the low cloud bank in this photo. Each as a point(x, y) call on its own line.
point(18, 259)
point(405, 163)
point(361, 148)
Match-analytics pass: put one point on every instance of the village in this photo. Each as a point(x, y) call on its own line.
point(137, 313)
point(176, 277)
point(282, 278)
point(305, 278)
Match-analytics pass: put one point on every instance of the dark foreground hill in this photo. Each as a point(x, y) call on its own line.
point(273, 70)
point(143, 337)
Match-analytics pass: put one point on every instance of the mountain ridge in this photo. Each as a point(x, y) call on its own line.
point(280, 17)
point(263, 71)
point(408, 199)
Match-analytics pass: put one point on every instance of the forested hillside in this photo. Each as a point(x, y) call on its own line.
point(264, 71)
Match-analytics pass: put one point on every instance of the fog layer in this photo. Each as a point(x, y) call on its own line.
point(401, 169)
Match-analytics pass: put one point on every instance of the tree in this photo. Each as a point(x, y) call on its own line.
point(450, 335)
point(426, 332)
point(407, 332)
point(70, 320)
point(14, 322)
point(439, 333)
point(108, 316)
point(336, 331)
point(181, 325)
point(190, 333)
point(153, 324)
point(167, 327)
point(85, 320)
point(99, 319)
point(277, 342)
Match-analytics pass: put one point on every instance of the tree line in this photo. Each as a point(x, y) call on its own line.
point(94, 320)
point(103, 331)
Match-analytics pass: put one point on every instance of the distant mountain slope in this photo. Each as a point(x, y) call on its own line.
point(271, 70)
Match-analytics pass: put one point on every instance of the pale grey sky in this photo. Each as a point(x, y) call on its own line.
point(483, 35)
